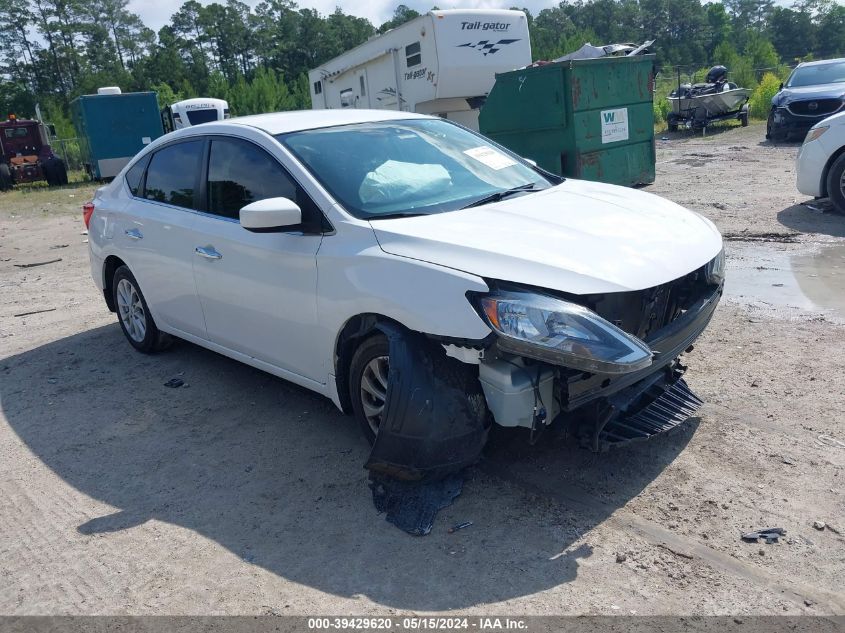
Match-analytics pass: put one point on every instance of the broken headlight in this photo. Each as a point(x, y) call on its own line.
point(562, 333)
point(714, 271)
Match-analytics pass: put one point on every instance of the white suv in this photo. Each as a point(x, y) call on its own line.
point(821, 161)
point(415, 273)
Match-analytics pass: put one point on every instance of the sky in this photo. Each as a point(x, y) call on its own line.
point(156, 13)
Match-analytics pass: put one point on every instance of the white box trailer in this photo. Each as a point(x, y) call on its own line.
point(442, 63)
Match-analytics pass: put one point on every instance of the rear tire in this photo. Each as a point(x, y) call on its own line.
point(60, 172)
point(133, 314)
point(5, 177)
point(743, 119)
point(836, 184)
point(368, 375)
point(49, 172)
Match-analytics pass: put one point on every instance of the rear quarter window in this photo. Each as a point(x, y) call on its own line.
point(135, 175)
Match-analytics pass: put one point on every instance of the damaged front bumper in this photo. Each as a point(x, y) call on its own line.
point(602, 410)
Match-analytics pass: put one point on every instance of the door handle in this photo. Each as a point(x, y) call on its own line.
point(208, 252)
point(135, 234)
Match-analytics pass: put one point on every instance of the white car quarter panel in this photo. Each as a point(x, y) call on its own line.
point(816, 155)
point(810, 165)
point(357, 277)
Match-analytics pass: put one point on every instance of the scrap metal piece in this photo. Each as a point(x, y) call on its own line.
point(769, 535)
point(435, 419)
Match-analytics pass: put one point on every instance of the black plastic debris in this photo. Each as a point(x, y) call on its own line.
point(769, 535)
point(435, 424)
point(412, 506)
point(435, 419)
point(174, 383)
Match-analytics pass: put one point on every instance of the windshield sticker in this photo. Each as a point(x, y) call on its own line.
point(494, 159)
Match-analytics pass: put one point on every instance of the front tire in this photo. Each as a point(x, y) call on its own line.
point(836, 184)
point(133, 314)
point(368, 380)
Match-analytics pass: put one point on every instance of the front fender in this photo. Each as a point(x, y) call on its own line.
point(356, 277)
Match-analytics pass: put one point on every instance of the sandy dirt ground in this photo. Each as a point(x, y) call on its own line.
point(242, 494)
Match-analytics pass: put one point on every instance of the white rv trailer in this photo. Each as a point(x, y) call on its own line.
point(193, 112)
point(442, 63)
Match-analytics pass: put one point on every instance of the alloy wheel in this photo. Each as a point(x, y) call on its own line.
point(374, 390)
point(131, 311)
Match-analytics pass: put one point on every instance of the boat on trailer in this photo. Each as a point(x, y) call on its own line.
point(698, 105)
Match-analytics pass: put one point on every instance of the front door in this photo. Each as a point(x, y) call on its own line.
point(258, 290)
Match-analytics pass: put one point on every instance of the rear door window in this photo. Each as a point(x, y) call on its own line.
point(240, 173)
point(173, 173)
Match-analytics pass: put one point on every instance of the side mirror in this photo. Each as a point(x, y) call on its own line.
point(270, 215)
point(781, 86)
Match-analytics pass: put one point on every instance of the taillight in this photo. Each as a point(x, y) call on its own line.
point(87, 212)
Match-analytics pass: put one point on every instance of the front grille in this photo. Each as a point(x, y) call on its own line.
point(815, 107)
point(643, 312)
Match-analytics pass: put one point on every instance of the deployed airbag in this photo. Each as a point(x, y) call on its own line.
point(394, 181)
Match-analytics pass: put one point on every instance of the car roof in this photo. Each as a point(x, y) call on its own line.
point(295, 121)
point(820, 62)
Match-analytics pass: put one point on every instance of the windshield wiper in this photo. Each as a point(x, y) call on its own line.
point(501, 195)
point(398, 214)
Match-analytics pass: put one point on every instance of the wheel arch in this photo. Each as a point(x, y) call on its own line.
point(356, 330)
point(110, 265)
point(833, 158)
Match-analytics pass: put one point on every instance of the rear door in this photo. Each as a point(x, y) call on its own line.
point(154, 233)
point(258, 290)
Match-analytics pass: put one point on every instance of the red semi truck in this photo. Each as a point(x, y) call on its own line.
point(26, 155)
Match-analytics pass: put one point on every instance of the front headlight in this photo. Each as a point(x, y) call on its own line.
point(715, 269)
point(563, 333)
point(815, 133)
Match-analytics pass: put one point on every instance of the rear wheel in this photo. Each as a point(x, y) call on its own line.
point(60, 172)
point(836, 184)
point(133, 314)
point(743, 119)
point(368, 380)
point(49, 172)
point(5, 177)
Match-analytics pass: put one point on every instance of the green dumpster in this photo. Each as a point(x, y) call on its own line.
point(586, 118)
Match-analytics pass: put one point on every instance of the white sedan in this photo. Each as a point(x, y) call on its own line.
point(422, 277)
point(821, 161)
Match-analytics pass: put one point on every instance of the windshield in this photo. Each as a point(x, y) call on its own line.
point(816, 75)
point(408, 167)
point(195, 117)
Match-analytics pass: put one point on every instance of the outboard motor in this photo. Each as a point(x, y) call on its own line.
point(717, 75)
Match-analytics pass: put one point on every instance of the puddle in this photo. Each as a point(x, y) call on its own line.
point(788, 276)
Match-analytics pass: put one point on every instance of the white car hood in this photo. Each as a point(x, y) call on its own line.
point(578, 237)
